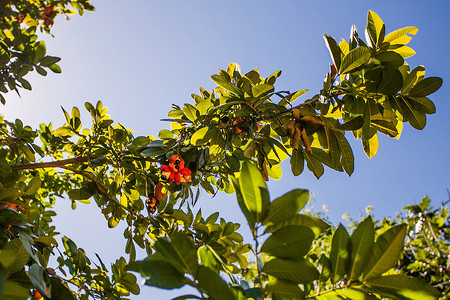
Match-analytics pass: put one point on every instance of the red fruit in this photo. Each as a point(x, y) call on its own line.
point(176, 163)
point(48, 10)
point(158, 191)
point(183, 176)
point(167, 174)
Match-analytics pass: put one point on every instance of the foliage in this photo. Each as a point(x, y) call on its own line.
point(231, 139)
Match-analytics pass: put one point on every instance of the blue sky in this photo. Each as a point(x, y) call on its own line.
point(140, 56)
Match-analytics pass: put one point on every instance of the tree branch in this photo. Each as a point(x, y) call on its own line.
point(53, 164)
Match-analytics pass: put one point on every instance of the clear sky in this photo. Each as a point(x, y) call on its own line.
point(140, 56)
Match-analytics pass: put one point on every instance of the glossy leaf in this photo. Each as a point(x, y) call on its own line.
point(289, 242)
point(190, 112)
point(347, 159)
point(161, 274)
point(353, 124)
point(376, 27)
point(394, 36)
point(385, 252)
point(286, 206)
point(403, 287)
point(254, 191)
point(283, 289)
point(197, 138)
point(426, 87)
point(355, 59)
point(179, 251)
point(314, 165)
point(361, 241)
point(370, 145)
point(297, 162)
point(221, 81)
point(214, 285)
point(13, 257)
point(339, 254)
point(335, 51)
point(315, 224)
point(296, 271)
point(354, 294)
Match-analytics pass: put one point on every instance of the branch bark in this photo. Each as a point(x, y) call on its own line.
point(53, 164)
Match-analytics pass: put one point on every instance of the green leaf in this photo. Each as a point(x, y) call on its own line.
point(60, 291)
point(384, 127)
point(14, 291)
point(13, 257)
point(315, 224)
point(62, 131)
point(283, 289)
point(325, 268)
point(250, 216)
point(233, 162)
point(33, 186)
point(55, 68)
point(355, 294)
point(391, 81)
point(286, 206)
point(254, 193)
point(422, 104)
point(313, 165)
point(426, 87)
point(370, 145)
point(415, 118)
point(161, 274)
point(335, 50)
point(353, 124)
point(36, 275)
point(395, 36)
point(190, 112)
point(164, 134)
point(376, 28)
point(296, 271)
point(385, 252)
point(289, 242)
point(179, 250)
point(390, 58)
point(339, 254)
point(49, 60)
point(297, 162)
point(361, 241)
point(40, 51)
point(402, 287)
point(347, 159)
point(355, 59)
point(405, 51)
point(206, 258)
point(80, 194)
point(197, 138)
point(224, 82)
point(215, 286)
point(261, 89)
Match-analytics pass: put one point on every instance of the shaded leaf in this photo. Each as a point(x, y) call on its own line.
point(339, 254)
point(161, 274)
point(283, 289)
point(298, 271)
point(215, 286)
point(403, 287)
point(355, 59)
point(361, 242)
point(426, 87)
point(286, 206)
point(385, 253)
point(289, 242)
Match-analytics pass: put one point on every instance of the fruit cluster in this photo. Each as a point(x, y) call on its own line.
point(175, 171)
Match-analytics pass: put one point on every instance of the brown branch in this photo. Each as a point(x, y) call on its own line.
point(53, 164)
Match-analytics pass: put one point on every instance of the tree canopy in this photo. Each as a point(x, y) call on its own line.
point(231, 139)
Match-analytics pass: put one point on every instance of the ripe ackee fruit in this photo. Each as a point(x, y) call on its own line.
point(167, 174)
point(176, 163)
point(175, 171)
point(183, 176)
